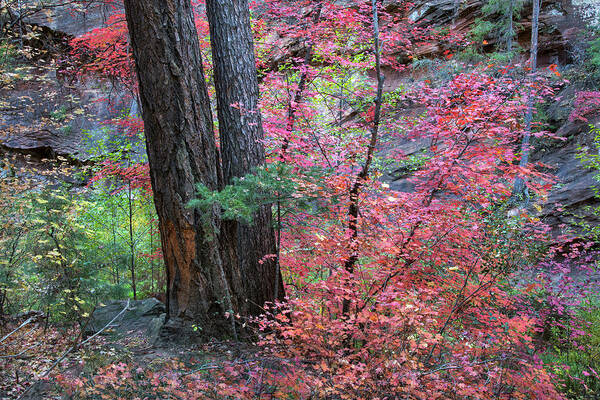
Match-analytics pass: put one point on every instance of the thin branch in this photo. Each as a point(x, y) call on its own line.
point(18, 355)
point(520, 191)
point(16, 329)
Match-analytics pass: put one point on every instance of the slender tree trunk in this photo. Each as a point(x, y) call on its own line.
point(181, 151)
point(151, 237)
point(115, 263)
point(131, 243)
point(2, 300)
point(20, 24)
point(354, 194)
point(520, 191)
point(241, 136)
point(511, 31)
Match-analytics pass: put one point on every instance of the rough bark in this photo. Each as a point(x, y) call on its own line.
point(213, 267)
point(241, 137)
point(181, 151)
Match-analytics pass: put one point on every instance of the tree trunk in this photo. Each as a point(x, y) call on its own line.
point(520, 192)
point(511, 31)
point(212, 268)
point(181, 151)
point(241, 136)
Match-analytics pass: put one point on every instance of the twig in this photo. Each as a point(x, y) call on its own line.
point(447, 367)
point(19, 327)
point(21, 353)
point(206, 367)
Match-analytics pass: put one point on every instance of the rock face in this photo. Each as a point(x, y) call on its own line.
point(45, 114)
point(45, 117)
point(574, 192)
point(72, 18)
point(559, 25)
point(143, 318)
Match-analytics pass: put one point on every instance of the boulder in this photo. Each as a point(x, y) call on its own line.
point(143, 318)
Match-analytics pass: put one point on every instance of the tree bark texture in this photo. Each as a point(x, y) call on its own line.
point(181, 151)
point(213, 266)
point(241, 136)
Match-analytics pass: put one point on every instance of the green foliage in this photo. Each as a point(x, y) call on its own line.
point(471, 54)
point(594, 53)
point(576, 366)
point(243, 198)
point(60, 114)
point(481, 29)
point(125, 236)
point(62, 273)
point(64, 250)
point(495, 24)
point(410, 164)
point(121, 214)
point(67, 129)
point(586, 57)
point(13, 233)
point(8, 55)
point(592, 63)
point(502, 57)
point(426, 64)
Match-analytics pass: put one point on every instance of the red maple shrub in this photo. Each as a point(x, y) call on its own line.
point(428, 308)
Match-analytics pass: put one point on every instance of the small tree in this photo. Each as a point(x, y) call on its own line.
point(520, 190)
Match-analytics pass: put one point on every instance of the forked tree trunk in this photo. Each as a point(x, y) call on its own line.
point(210, 271)
point(181, 151)
point(241, 136)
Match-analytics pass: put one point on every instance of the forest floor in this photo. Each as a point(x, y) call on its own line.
point(36, 361)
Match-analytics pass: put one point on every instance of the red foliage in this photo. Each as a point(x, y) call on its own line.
point(431, 316)
point(136, 175)
point(104, 52)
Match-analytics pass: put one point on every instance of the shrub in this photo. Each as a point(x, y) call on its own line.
point(573, 356)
